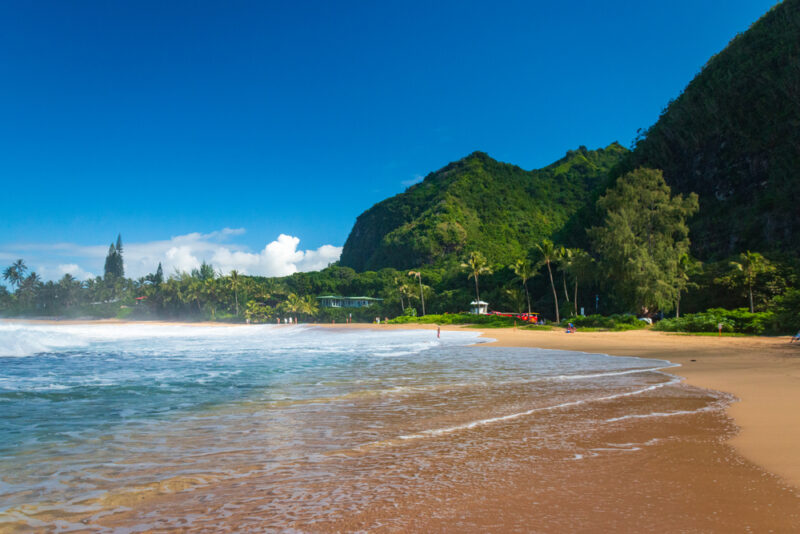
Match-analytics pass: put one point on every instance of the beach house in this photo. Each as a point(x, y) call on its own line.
point(479, 307)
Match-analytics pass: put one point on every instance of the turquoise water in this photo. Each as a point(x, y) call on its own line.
point(88, 411)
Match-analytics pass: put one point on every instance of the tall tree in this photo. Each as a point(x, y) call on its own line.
point(421, 296)
point(205, 272)
point(158, 278)
point(524, 271)
point(687, 267)
point(28, 288)
point(550, 253)
point(233, 283)
point(580, 267)
point(404, 291)
point(114, 265)
point(476, 265)
point(744, 273)
point(643, 236)
point(15, 273)
point(310, 305)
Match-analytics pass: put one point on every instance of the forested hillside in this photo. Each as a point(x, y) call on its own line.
point(733, 137)
point(477, 204)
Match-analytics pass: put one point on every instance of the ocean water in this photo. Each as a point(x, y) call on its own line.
point(151, 425)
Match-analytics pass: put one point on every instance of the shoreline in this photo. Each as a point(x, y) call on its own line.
point(763, 373)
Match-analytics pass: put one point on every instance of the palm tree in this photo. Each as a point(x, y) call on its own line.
point(310, 306)
point(515, 298)
point(211, 291)
point(421, 296)
point(15, 273)
point(69, 288)
point(404, 291)
point(476, 265)
point(28, 288)
point(233, 281)
point(564, 258)
point(194, 291)
point(750, 265)
point(549, 254)
point(579, 266)
point(524, 271)
point(294, 303)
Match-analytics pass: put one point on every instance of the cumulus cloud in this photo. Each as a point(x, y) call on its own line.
point(181, 253)
point(74, 270)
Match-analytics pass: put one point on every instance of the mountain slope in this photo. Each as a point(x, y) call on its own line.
point(733, 137)
point(476, 203)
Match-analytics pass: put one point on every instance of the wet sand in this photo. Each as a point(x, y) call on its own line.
point(763, 373)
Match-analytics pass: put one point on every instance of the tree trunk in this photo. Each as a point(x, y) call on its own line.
point(555, 295)
point(527, 295)
point(678, 307)
point(566, 293)
point(421, 296)
point(752, 309)
point(236, 299)
point(575, 299)
point(477, 294)
point(402, 303)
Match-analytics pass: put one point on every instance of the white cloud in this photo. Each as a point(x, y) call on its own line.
point(74, 270)
point(181, 253)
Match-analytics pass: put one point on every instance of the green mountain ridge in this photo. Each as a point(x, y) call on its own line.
point(477, 203)
point(733, 137)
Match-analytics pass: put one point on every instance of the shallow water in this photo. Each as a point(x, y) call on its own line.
point(301, 427)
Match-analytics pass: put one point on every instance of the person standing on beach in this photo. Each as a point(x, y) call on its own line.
point(438, 332)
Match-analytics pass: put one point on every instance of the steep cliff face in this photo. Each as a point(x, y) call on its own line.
point(733, 137)
point(476, 203)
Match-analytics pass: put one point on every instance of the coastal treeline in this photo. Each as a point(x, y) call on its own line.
point(638, 262)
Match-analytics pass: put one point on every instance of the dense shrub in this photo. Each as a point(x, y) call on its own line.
point(489, 321)
point(739, 321)
point(787, 312)
point(610, 322)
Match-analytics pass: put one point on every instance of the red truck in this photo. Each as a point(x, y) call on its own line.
point(527, 317)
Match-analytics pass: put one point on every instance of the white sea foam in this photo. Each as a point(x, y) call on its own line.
point(509, 417)
point(21, 339)
point(714, 406)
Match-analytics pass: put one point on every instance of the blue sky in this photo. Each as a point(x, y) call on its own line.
point(170, 122)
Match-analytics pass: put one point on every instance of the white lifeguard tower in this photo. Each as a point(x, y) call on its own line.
point(478, 307)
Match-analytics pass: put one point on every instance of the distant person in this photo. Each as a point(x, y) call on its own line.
point(795, 337)
point(438, 332)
